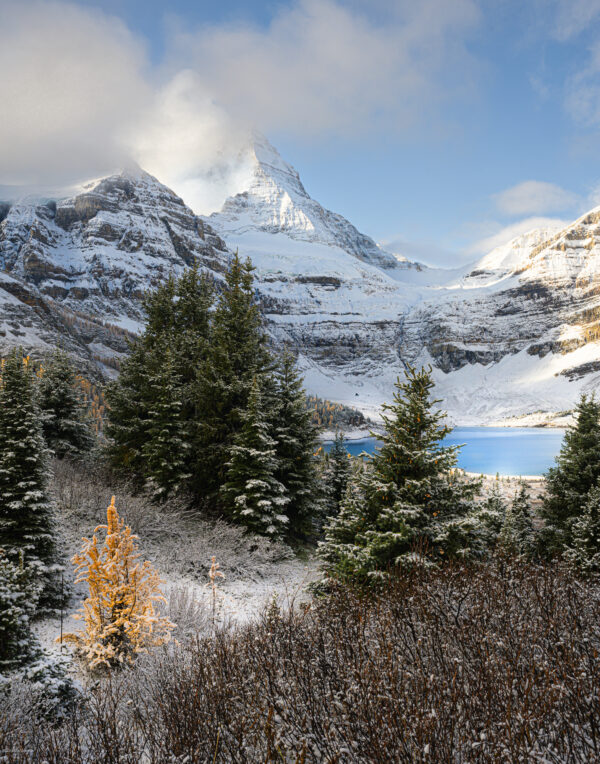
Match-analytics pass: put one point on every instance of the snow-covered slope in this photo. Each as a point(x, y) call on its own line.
point(508, 259)
point(520, 332)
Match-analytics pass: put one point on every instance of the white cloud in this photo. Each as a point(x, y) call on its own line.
point(535, 197)
point(191, 144)
point(321, 66)
point(573, 16)
point(582, 90)
point(72, 80)
point(497, 234)
point(79, 94)
point(428, 252)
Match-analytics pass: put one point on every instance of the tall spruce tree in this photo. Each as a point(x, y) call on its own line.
point(129, 405)
point(237, 353)
point(296, 439)
point(27, 517)
point(408, 507)
point(177, 318)
point(166, 452)
point(577, 471)
point(584, 548)
point(252, 493)
point(336, 475)
point(517, 535)
point(65, 418)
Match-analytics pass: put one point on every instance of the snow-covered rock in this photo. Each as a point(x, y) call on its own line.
point(276, 202)
point(79, 266)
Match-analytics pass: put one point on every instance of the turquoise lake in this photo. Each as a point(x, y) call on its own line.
point(507, 450)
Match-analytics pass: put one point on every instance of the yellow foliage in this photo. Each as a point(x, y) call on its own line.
point(119, 615)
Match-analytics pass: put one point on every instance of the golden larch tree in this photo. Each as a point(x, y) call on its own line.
point(119, 613)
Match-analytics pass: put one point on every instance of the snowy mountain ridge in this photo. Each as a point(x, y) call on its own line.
point(516, 333)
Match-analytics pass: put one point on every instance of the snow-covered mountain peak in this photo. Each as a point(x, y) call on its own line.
point(276, 202)
point(270, 165)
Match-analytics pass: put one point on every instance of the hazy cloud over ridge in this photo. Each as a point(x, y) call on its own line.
point(82, 95)
point(535, 197)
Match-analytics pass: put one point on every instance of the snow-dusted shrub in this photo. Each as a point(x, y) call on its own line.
point(496, 662)
point(190, 610)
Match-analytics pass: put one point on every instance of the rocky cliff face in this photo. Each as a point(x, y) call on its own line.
point(518, 332)
point(78, 267)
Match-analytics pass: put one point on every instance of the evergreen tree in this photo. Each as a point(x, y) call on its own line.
point(584, 551)
point(408, 507)
point(177, 318)
point(237, 353)
point(253, 495)
point(490, 515)
point(296, 443)
point(336, 474)
point(129, 407)
point(517, 535)
point(577, 471)
point(21, 655)
point(166, 450)
point(65, 419)
point(19, 596)
point(27, 523)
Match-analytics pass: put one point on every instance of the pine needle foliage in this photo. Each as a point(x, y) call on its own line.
point(66, 422)
point(22, 658)
point(169, 352)
point(517, 535)
point(27, 514)
point(19, 594)
point(254, 497)
point(568, 484)
point(408, 506)
point(295, 434)
point(119, 613)
point(336, 474)
point(584, 549)
point(237, 354)
point(166, 451)
point(490, 515)
point(180, 411)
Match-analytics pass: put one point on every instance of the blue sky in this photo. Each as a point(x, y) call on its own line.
point(443, 127)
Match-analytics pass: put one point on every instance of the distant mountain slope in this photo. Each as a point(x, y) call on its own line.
point(89, 258)
point(520, 332)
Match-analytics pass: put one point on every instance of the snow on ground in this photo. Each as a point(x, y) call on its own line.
point(558, 419)
point(180, 544)
point(239, 598)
